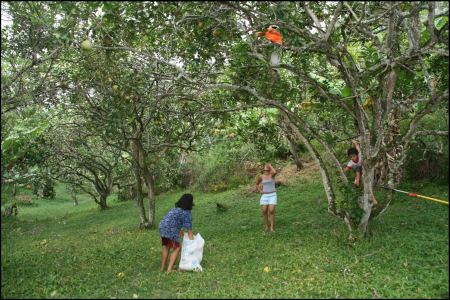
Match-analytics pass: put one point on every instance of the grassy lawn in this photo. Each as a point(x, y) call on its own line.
point(56, 250)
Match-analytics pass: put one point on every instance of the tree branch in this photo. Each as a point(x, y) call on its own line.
point(333, 21)
point(432, 132)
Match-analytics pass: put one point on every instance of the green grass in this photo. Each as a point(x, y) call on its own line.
point(57, 250)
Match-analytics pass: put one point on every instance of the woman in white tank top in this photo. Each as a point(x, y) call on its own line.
point(266, 186)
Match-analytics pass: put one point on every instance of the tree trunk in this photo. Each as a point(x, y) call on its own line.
point(74, 196)
point(323, 172)
point(3, 178)
point(150, 195)
point(103, 191)
point(140, 200)
point(149, 183)
point(14, 190)
point(293, 149)
point(386, 169)
point(325, 178)
point(102, 201)
point(138, 187)
point(333, 157)
point(385, 165)
point(343, 214)
point(365, 201)
point(291, 141)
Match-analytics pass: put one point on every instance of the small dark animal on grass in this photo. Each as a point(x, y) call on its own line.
point(221, 207)
point(11, 210)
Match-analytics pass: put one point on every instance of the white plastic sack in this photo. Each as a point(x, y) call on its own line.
point(275, 59)
point(192, 253)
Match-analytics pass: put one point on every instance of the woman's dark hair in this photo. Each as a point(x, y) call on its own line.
point(186, 202)
point(351, 151)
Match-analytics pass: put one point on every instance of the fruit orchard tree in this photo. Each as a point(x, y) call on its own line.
point(374, 68)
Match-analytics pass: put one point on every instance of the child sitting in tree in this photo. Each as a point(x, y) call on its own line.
point(355, 164)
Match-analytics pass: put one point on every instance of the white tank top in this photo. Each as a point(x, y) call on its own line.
point(268, 185)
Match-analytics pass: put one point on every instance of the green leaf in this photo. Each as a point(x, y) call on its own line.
point(335, 91)
point(440, 22)
point(424, 37)
point(346, 92)
point(380, 36)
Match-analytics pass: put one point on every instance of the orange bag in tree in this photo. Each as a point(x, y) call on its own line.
point(273, 35)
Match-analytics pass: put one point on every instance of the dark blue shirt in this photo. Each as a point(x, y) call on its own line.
point(173, 221)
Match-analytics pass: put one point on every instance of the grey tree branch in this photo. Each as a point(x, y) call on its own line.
point(333, 21)
point(432, 132)
point(314, 18)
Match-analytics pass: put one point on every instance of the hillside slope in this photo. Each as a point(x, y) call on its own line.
point(57, 250)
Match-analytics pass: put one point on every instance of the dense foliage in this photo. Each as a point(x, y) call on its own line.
point(145, 97)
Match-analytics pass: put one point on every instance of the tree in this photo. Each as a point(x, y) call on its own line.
point(367, 69)
point(142, 118)
point(344, 54)
point(23, 132)
point(81, 160)
point(32, 45)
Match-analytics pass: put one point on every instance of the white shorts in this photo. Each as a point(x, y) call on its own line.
point(268, 199)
